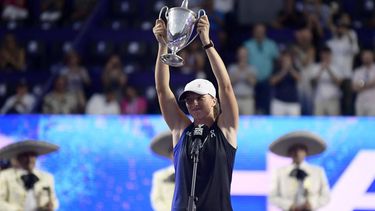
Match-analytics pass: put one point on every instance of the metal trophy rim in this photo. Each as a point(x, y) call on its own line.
point(182, 8)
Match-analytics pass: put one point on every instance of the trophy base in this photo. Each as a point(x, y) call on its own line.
point(172, 60)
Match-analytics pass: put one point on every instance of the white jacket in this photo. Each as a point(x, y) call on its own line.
point(13, 193)
point(284, 187)
point(162, 190)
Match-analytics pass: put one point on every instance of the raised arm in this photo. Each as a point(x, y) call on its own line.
point(228, 119)
point(174, 117)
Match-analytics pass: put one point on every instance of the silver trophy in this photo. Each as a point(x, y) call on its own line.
point(180, 26)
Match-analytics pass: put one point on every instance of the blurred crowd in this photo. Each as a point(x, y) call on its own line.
point(296, 57)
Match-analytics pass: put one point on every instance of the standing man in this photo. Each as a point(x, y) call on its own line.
point(262, 52)
point(162, 188)
point(23, 187)
point(299, 186)
point(326, 81)
point(363, 83)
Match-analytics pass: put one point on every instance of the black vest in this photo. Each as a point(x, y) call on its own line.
point(214, 173)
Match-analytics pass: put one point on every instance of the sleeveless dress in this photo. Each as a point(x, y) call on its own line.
point(214, 172)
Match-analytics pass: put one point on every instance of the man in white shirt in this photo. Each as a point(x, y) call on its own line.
point(326, 81)
point(22, 102)
point(163, 179)
point(344, 47)
point(23, 187)
point(299, 186)
point(364, 84)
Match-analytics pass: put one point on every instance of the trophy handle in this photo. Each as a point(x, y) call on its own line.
point(195, 36)
point(166, 12)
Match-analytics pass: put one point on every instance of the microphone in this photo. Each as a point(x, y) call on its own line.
point(199, 133)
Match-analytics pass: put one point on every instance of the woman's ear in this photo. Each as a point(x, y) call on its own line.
point(215, 101)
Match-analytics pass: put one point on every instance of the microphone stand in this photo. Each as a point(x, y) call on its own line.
point(195, 156)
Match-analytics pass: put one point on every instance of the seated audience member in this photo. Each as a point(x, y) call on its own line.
point(22, 102)
point(51, 10)
point(105, 103)
point(113, 75)
point(14, 10)
point(12, 56)
point(133, 103)
point(59, 100)
point(77, 77)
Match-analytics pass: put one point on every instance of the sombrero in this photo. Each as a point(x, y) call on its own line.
point(315, 145)
point(162, 144)
point(39, 147)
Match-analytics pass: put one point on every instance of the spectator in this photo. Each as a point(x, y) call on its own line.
point(12, 56)
point(318, 17)
point(304, 57)
point(20, 103)
point(223, 7)
point(344, 46)
point(262, 54)
point(195, 61)
point(77, 77)
point(289, 16)
point(285, 94)
point(326, 80)
point(51, 10)
point(318, 9)
point(113, 76)
point(105, 103)
point(243, 80)
point(59, 100)
point(133, 103)
point(364, 84)
point(217, 20)
point(14, 10)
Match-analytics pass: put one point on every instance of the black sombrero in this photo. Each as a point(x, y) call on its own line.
point(162, 144)
point(38, 147)
point(315, 145)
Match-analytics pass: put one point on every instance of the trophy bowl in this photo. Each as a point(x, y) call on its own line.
point(180, 26)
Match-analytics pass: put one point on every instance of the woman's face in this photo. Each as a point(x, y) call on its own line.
point(200, 106)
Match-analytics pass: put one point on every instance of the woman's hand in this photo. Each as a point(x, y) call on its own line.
point(160, 32)
point(203, 28)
